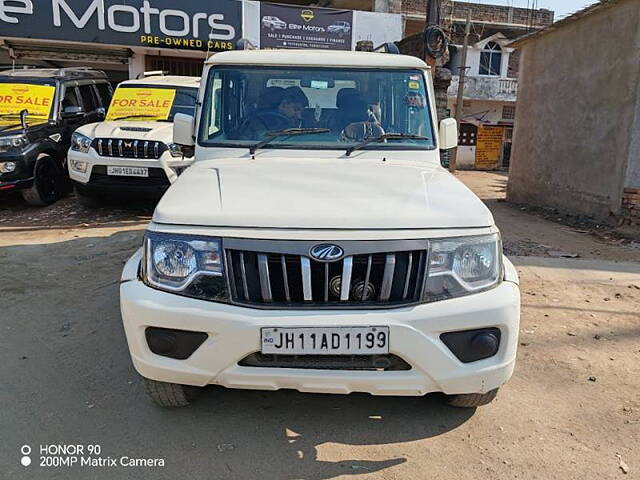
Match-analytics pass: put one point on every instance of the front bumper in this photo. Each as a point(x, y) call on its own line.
point(234, 333)
point(95, 181)
point(22, 177)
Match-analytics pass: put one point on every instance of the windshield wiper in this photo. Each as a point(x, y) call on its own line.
point(9, 127)
point(385, 136)
point(289, 132)
point(131, 116)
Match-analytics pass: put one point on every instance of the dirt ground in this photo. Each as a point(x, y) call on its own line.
point(571, 411)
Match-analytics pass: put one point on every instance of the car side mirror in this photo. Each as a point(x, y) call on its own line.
point(448, 134)
point(183, 129)
point(71, 112)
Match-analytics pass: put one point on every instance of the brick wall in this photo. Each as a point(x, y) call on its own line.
point(631, 206)
point(483, 12)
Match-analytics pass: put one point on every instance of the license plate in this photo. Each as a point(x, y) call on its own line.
point(128, 171)
point(326, 341)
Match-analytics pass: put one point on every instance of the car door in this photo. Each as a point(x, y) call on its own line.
point(92, 108)
point(105, 92)
point(71, 112)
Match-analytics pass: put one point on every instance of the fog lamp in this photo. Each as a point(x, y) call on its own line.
point(79, 166)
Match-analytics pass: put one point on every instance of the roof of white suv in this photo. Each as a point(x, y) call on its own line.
point(318, 58)
point(169, 80)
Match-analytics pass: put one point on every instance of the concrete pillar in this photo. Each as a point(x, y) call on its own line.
point(387, 6)
point(136, 64)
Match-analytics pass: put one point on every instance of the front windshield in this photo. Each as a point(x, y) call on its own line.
point(151, 103)
point(243, 105)
point(15, 97)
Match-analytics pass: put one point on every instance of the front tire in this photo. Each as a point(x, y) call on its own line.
point(48, 183)
point(471, 400)
point(170, 395)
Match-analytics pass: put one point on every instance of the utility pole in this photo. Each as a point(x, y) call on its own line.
point(432, 17)
point(463, 73)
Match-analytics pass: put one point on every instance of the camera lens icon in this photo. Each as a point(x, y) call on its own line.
point(25, 450)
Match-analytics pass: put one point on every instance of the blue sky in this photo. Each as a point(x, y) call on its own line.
point(562, 8)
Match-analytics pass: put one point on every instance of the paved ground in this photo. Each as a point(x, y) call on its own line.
point(571, 411)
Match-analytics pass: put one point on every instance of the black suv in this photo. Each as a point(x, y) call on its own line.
point(39, 110)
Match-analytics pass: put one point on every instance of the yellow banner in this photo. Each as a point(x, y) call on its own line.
point(37, 99)
point(489, 147)
point(144, 103)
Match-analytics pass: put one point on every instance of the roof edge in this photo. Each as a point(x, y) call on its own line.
point(590, 10)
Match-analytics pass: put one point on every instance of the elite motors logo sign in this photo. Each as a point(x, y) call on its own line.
point(288, 26)
point(188, 24)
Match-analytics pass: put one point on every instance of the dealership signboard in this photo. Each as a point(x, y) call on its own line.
point(185, 24)
point(285, 26)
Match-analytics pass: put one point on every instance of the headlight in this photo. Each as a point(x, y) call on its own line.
point(464, 265)
point(176, 150)
point(184, 264)
point(7, 167)
point(13, 141)
point(80, 143)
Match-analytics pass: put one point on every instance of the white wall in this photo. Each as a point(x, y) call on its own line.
point(377, 27)
point(489, 113)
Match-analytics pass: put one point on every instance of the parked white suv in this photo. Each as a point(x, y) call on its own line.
point(128, 154)
point(317, 244)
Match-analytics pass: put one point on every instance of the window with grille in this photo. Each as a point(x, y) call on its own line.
point(491, 59)
point(508, 112)
point(467, 136)
point(190, 67)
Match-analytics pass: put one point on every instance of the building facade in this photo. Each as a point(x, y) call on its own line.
point(128, 37)
point(491, 86)
point(577, 136)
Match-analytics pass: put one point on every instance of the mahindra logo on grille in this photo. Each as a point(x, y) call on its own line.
point(326, 252)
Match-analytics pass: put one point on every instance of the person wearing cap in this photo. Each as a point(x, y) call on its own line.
point(293, 105)
point(285, 110)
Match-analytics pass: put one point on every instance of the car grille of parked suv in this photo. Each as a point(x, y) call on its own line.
point(369, 275)
point(124, 148)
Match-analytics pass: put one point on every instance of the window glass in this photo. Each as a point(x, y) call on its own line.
point(70, 98)
point(244, 104)
point(104, 90)
point(491, 59)
point(89, 101)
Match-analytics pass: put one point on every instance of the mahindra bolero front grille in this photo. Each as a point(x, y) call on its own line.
point(286, 274)
point(121, 148)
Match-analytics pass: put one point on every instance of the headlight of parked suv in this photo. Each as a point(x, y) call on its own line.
point(80, 143)
point(13, 141)
point(176, 150)
point(464, 265)
point(184, 264)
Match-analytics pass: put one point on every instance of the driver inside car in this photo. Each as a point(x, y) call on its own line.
point(286, 113)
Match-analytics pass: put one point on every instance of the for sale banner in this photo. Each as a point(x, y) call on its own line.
point(143, 103)
point(285, 26)
point(36, 99)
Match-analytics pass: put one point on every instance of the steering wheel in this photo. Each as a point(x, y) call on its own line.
point(270, 120)
point(360, 131)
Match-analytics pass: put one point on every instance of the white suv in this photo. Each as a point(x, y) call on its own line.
point(317, 244)
point(128, 154)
